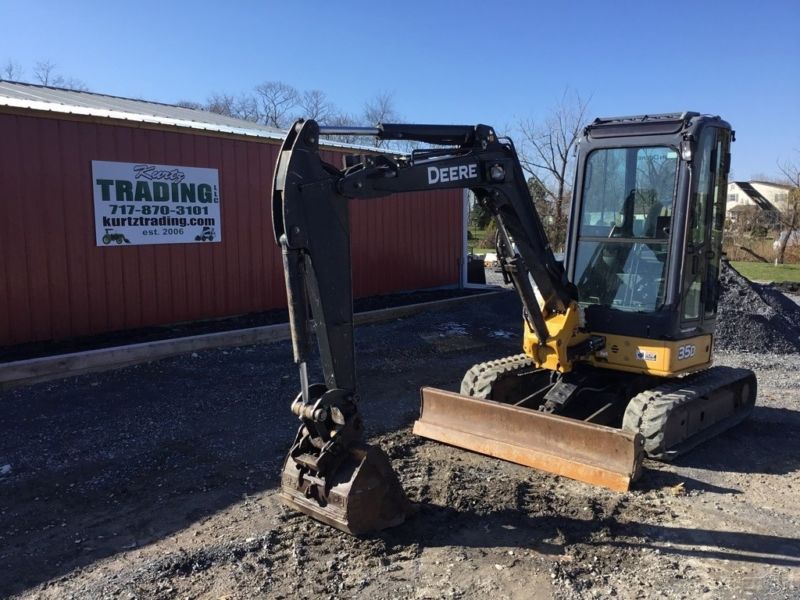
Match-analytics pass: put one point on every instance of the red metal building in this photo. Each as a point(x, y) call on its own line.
point(56, 282)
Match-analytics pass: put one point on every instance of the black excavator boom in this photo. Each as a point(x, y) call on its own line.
point(330, 472)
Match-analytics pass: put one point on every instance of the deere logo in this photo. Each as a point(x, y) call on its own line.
point(447, 174)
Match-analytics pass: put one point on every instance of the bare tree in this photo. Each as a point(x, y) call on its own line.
point(246, 108)
point(276, 101)
point(547, 147)
point(75, 84)
point(314, 104)
point(343, 120)
point(380, 109)
point(12, 71)
point(790, 218)
point(45, 73)
point(189, 104)
point(221, 104)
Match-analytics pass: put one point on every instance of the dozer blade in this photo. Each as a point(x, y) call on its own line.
point(363, 495)
point(587, 452)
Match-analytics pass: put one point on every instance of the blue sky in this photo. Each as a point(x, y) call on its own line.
point(445, 62)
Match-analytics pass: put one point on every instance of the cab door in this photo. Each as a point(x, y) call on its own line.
point(703, 247)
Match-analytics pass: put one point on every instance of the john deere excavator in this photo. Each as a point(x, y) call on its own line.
point(617, 348)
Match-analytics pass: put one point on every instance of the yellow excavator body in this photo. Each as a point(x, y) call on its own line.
point(662, 358)
point(618, 337)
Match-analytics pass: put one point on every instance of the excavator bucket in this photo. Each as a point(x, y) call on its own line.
point(363, 495)
point(587, 452)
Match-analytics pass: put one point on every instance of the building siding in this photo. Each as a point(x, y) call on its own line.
point(57, 284)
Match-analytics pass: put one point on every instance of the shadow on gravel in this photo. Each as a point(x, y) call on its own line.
point(760, 444)
point(654, 479)
point(105, 463)
point(437, 526)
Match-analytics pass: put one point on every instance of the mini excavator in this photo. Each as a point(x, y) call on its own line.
point(618, 338)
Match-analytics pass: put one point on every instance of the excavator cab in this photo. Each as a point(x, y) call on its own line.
point(617, 339)
point(645, 235)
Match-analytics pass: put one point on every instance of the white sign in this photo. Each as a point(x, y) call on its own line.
point(142, 203)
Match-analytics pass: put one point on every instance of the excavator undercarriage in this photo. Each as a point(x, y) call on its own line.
point(618, 339)
point(626, 419)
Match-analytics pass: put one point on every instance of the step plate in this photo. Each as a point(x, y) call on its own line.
point(587, 452)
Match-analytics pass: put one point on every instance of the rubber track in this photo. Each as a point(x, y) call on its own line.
point(648, 412)
point(480, 378)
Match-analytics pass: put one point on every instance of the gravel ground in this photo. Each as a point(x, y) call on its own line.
point(158, 481)
point(178, 330)
point(495, 278)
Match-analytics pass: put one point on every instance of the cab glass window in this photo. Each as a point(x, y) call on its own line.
point(628, 192)
point(625, 223)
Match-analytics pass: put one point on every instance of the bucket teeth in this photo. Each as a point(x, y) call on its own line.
point(579, 450)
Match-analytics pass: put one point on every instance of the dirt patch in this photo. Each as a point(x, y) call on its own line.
point(484, 528)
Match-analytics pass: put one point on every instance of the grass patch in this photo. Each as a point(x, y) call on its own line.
point(767, 272)
point(476, 241)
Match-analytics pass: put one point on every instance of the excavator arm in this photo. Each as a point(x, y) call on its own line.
point(311, 223)
point(330, 473)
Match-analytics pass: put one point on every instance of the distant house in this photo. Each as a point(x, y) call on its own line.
point(763, 195)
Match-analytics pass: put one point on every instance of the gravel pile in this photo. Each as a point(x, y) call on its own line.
point(787, 287)
point(754, 317)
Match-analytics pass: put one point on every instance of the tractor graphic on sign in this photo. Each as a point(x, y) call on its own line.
point(207, 235)
point(117, 238)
